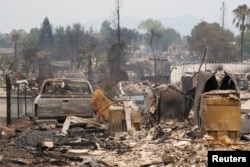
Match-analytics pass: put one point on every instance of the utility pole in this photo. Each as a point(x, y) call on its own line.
point(15, 37)
point(15, 50)
point(223, 15)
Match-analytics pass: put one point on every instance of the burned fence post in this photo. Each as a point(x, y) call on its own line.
point(8, 98)
point(25, 99)
point(18, 101)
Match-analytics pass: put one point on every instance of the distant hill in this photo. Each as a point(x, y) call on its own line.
point(182, 24)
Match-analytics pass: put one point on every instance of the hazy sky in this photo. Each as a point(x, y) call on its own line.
point(27, 14)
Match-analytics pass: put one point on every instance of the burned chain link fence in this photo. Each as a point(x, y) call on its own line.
point(15, 101)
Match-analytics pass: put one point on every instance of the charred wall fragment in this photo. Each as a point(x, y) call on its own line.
point(172, 105)
point(169, 102)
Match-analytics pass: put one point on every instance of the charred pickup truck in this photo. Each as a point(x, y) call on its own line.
point(62, 97)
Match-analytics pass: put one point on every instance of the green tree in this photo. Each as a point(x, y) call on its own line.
point(29, 50)
point(154, 29)
point(100, 52)
point(6, 63)
point(169, 36)
point(86, 53)
point(75, 36)
point(35, 32)
point(219, 43)
point(242, 21)
point(247, 42)
point(116, 61)
point(131, 39)
point(46, 36)
point(61, 46)
point(5, 40)
point(107, 32)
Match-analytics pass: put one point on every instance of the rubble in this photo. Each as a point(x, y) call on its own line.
point(171, 143)
point(74, 119)
point(168, 142)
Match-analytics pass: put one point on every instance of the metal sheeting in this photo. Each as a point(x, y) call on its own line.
point(182, 70)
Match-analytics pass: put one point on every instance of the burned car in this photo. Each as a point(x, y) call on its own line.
point(62, 97)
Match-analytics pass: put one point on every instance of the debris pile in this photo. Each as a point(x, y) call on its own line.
point(160, 138)
point(133, 88)
point(171, 143)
